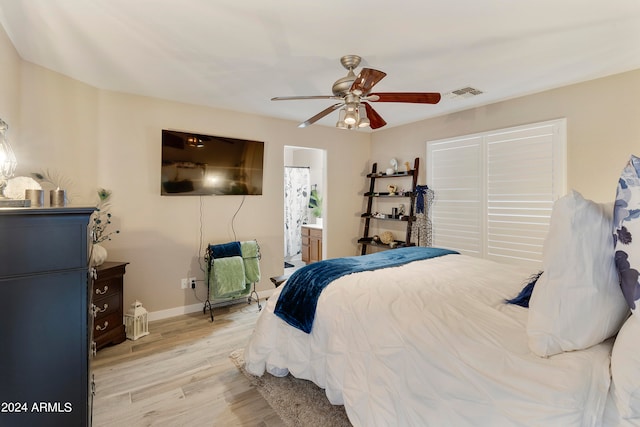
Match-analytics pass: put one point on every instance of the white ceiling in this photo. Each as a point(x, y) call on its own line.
point(238, 54)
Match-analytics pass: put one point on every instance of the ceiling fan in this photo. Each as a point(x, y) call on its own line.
point(354, 94)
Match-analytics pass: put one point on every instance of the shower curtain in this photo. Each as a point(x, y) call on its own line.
point(296, 212)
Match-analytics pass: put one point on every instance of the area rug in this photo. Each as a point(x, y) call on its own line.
point(299, 403)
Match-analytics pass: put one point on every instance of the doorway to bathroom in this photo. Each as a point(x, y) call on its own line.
point(304, 200)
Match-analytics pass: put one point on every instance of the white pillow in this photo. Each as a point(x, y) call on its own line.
point(625, 369)
point(577, 301)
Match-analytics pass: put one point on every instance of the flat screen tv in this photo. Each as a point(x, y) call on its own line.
point(196, 164)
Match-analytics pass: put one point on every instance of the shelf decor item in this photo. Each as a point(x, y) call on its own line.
point(100, 221)
point(102, 218)
point(98, 254)
point(386, 237)
point(35, 196)
point(136, 322)
point(58, 198)
point(55, 184)
point(17, 188)
point(394, 164)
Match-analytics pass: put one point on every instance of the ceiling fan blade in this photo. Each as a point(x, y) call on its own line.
point(320, 115)
point(375, 120)
point(411, 97)
point(289, 98)
point(365, 81)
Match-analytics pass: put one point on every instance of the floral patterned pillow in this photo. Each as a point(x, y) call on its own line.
point(626, 231)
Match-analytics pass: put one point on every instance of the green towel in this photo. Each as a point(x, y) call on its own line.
point(250, 255)
point(228, 277)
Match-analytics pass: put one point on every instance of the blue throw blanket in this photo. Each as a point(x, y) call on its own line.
point(299, 297)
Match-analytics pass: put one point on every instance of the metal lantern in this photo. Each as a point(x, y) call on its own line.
point(136, 322)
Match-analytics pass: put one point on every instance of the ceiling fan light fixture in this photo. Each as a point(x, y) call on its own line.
point(363, 121)
point(341, 124)
point(350, 118)
point(351, 115)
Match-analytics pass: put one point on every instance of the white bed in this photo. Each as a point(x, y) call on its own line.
point(433, 343)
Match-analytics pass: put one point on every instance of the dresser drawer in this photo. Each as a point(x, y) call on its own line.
point(107, 305)
point(315, 232)
point(106, 288)
point(104, 324)
point(62, 242)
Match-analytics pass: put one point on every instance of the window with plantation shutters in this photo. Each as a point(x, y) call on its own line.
point(494, 191)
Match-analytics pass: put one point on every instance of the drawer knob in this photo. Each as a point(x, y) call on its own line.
point(104, 290)
point(102, 328)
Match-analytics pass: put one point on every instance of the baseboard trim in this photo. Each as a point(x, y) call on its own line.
point(193, 308)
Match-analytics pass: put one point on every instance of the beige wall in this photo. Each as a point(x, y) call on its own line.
point(161, 237)
point(52, 121)
point(112, 140)
point(98, 138)
point(603, 129)
point(9, 84)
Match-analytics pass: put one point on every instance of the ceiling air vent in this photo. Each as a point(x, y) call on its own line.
point(465, 92)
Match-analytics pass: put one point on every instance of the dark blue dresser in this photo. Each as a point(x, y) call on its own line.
point(44, 317)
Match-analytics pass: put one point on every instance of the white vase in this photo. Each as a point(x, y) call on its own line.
point(98, 254)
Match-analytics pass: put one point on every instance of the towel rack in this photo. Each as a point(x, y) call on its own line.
point(234, 275)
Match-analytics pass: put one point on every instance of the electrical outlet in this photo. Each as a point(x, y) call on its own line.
point(184, 283)
point(192, 280)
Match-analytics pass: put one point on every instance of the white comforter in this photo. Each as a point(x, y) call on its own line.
point(431, 343)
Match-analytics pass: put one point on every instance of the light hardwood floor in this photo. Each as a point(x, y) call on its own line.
point(181, 375)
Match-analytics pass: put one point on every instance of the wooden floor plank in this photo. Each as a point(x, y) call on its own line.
point(181, 375)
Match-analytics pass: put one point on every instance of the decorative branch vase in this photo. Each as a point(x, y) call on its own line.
point(98, 254)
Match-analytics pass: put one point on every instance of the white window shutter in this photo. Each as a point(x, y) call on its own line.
point(518, 173)
point(455, 169)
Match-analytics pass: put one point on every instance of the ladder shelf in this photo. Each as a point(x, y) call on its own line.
point(372, 194)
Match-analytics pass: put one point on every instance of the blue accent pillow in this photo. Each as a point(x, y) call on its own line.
point(525, 294)
point(626, 225)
